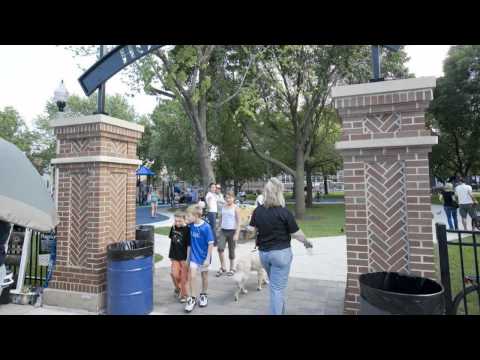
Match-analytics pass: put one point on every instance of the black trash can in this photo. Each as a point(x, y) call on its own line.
point(391, 293)
point(130, 278)
point(145, 232)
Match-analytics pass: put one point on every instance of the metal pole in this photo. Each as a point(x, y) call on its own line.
point(441, 230)
point(101, 89)
point(376, 68)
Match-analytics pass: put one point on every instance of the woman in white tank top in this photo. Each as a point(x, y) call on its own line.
point(230, 225)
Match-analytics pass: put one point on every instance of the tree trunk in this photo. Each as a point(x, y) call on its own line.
point(293, 189)
point(206, 168)
point(200, 127)
point(299, 185)
point(308, 171)
point(325, 184)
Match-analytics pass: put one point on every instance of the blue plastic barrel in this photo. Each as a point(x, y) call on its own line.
point(130, 278)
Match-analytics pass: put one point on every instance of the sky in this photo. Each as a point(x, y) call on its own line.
point(29, 74)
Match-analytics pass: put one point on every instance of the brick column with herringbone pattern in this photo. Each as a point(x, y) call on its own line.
point(95, 170)
point(385, 146)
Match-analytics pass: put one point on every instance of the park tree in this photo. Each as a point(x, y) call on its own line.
point(235, 163)
point(324, 158)
point(455, 110)
point(172, 142)
point(189, 74)
point(295, 81)
point(13, 129)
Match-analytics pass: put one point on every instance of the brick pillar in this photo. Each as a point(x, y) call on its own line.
point(95, 191)
point(385, 146)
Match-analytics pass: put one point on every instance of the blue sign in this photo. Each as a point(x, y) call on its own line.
point(376, 60)
point(117, 59)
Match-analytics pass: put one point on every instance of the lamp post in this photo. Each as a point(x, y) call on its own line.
point(101, 89)
point(60, 96)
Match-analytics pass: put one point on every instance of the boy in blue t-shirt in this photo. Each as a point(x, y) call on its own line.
point(200, 256)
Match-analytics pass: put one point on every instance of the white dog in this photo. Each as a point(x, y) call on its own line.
point(245, 265)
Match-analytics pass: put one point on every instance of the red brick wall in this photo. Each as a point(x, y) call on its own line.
point(96, 203)
point(387, 190)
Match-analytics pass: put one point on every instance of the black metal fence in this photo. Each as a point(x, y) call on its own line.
point(459, 263)
point(36, 270)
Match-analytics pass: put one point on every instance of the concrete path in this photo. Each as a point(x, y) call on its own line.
point(13, 309)
point(439, 216)
point(316, 284)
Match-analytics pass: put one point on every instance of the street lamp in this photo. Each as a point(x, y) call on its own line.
point(60, 96)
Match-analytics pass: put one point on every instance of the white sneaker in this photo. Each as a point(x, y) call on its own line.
point(202, 300)
point(191, 301)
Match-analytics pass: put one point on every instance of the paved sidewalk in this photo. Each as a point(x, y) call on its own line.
point(13, 309)
point(328, 261)
point(439, 216)
point(316, 284)
point(304, 297)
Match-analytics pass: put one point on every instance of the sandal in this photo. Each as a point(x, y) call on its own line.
point(220, 272)
point(230, 273)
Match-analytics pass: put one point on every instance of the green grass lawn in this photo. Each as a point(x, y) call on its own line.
point(335, 195)
point(322, 220)
point(456, 273)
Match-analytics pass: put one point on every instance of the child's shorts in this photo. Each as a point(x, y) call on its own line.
point(200, 268)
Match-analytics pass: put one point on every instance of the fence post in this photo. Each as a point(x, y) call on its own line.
point(441, 230)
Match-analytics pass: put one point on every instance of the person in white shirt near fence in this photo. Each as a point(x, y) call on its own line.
point(466, 201)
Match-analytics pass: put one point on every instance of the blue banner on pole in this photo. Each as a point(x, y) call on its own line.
point(112, 63)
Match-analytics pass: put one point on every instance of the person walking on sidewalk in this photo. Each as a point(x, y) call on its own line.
point(276, 226)
point(220, 199)
point(449, 205)
point(200, 256)
point(211, 200)
point(178, 254)
point(464, 195)
point(154, 202)
point(230, 232)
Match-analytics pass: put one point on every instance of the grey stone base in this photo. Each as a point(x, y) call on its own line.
point(95, 303)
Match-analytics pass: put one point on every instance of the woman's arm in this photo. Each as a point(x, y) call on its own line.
point(237, 221)
point(300, 236)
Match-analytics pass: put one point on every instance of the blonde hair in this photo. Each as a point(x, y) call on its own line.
point(230, 193)
point(273, 194)
point(195, 210)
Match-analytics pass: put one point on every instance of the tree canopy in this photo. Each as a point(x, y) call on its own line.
point(455, 110)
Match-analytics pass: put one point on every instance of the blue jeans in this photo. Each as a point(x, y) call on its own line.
point(451, 217)
point(212, 220)
point(277, 265)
